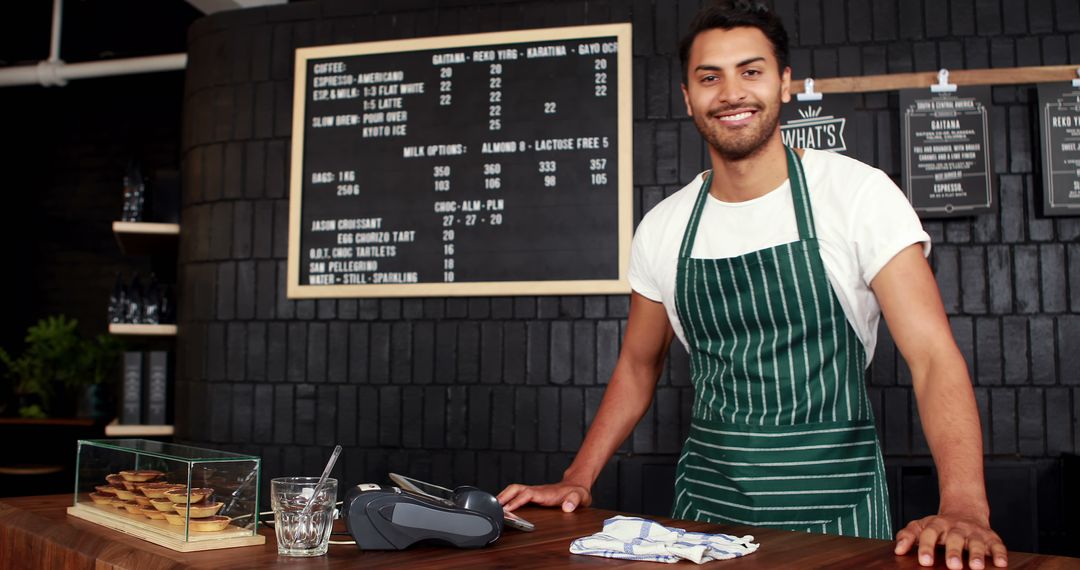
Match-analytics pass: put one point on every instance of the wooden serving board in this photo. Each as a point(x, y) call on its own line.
point(164, 534)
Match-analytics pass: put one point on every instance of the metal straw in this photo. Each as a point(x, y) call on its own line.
point(322, 480)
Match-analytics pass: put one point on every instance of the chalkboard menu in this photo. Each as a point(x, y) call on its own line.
point(1059, 106)
point(484, 164)
point(826, 124)
point(946, 154)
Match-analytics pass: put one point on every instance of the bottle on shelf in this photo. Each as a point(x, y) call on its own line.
point(168, 307)
point(135, 304)
point(118, 301)
point(151, 310)
point(134, 194)
point(134, 311)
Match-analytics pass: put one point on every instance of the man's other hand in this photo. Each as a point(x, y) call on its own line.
point(569, 496)
point(956, 534)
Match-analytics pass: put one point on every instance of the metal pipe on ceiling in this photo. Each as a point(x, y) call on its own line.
point(54, 38)
point(54, 71)
point(49, 74)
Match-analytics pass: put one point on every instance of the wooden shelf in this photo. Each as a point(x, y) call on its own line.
point(30, 470)
point(143, 330)
point(144, 238)
point(78, 422)
point(116, 429)
point(146, 228)
point(893, 81)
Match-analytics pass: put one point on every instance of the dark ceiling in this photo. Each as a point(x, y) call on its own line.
point(94, 29)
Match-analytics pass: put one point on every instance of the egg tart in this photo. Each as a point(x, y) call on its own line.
point(125, 495)
point(115, 480)
point(163, 505)
point(152, 513)
point(141, 476)
point(106, 490)
point(186, 496)
point(157, 490)
point(209, 524)
point(174, 518)
point(101, 499)
point(133, 507)
point(199, 510)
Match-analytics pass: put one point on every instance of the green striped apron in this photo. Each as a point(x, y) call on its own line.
point(782, 433)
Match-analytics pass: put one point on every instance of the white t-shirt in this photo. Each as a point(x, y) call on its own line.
point(862, 221)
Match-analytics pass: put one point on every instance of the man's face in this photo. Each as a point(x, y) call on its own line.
point(734, 90)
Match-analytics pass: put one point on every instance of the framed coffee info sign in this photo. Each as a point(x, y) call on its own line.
point(484, 164)
point(1059, 123)
point(946, 155)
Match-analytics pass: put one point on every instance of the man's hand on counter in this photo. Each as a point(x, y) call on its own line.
point(567, 495)
point(956, 533)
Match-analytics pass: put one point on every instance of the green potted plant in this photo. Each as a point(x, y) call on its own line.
point(58, 370)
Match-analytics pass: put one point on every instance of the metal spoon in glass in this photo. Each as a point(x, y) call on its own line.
point(322, 479)
point(306, 513)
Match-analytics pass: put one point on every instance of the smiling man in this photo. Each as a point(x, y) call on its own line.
point(773, 269)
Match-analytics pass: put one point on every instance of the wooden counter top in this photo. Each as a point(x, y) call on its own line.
point(35, 532)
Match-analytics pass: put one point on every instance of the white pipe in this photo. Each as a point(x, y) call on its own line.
point(57, 73)
point(54, 71)
point(148, 64)
point(54, 45)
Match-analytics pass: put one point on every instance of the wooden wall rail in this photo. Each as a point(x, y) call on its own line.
point(893, 81)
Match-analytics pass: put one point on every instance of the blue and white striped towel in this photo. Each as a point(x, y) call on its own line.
point(634, 538)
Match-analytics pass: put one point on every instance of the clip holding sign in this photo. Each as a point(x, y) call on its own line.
point(1076, 82)
point(808, 93)
point(943, 85)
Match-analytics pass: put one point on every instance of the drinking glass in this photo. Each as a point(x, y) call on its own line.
point(302, 530)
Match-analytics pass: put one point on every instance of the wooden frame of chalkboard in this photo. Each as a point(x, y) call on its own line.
point(470, 165)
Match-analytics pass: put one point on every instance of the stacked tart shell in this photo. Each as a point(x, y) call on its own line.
point(146, 493)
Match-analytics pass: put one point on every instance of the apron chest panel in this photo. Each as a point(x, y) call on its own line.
point(782, 433)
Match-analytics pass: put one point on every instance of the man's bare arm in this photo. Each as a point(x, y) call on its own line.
point(627, 397)
point(912, 306)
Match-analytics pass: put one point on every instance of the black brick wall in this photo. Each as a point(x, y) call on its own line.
point(496, 390)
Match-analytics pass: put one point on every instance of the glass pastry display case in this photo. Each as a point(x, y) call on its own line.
point(181, 497)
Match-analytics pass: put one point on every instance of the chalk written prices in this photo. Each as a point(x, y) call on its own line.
point(479, 164)
point(360, 244)
point(519, 155)
point(947, 169)
point(1060, 129)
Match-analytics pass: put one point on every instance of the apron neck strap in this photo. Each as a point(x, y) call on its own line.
point(695, 217)
point(800, 196)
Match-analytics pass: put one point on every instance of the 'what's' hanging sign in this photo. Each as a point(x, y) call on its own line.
point(824, 124)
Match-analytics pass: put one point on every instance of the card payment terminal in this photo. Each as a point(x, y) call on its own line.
point(390, 518)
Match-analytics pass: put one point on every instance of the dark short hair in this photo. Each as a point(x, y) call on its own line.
point(728, 14)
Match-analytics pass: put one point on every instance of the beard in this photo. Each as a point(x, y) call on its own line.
point(740, 143)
